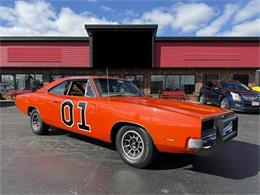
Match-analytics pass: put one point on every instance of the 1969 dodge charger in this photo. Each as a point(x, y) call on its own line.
point(115, 111)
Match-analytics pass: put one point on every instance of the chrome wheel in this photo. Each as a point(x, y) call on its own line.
point(202, 99)
point(224, 103)
point(36, 122)
point(132, 144)
point(37, 125)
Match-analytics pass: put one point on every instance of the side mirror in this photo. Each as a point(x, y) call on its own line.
point(217, 88)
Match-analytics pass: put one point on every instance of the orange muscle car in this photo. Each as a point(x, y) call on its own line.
point(115, 111)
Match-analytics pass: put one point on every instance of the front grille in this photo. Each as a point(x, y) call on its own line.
point(209, 137)
point(219, 129)
point(251, 98)
point(208, 133)
point(227, 128)
point(207, 124)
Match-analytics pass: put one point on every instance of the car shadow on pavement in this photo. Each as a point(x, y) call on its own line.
point(234, 160)
point(92, 141)
point(247, 113)
point(56, 131)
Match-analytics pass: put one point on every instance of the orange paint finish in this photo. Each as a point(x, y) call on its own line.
point(169, 123)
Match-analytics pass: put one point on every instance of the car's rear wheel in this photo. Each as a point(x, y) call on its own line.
point(37, 125)
point(202, 99)
point(135, 146)
point(224, 103)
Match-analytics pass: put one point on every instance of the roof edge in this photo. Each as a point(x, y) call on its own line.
point(157, 39)
point(207, 39)
point(42, 38)
point(122, 26)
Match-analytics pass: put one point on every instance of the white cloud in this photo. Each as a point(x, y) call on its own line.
point(155, 16)
point(250, 28)
point(218, 23)
point(130, 13)
point(190, 17)
point(39, 18)
point(186, 17)
point(106, 8)
point(249, 11)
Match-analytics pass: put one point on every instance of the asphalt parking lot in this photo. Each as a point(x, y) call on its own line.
point(64, 163)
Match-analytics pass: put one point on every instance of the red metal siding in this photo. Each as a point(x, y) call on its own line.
point(236, 55)
point(38, 54)
point(32, 54)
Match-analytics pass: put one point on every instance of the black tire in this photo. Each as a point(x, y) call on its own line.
point(202, 99)
point(140, 143)
point(37, 125)
point(224, 103)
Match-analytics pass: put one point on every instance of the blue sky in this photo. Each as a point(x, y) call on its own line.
point(175, 18)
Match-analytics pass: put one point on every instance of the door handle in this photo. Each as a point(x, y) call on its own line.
point(56, 101)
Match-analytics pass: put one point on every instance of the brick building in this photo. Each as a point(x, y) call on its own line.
point(132, 52)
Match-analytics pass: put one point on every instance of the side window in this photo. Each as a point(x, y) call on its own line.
point(209, 84)
point(216, 86)
point(78, 88)
point(89, 91)
point(60, 89)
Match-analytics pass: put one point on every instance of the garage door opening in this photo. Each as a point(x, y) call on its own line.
point(126, 46)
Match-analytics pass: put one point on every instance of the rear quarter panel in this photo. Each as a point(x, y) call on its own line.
point(23, 102)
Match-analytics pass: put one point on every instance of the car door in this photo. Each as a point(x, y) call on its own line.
point(208, 91)
point(84, 105)
point(75, 110)
point(216, 93)
point(52, 101)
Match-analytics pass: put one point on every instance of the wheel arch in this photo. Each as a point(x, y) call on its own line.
point(120, 124)
point(30, 109)
point(222, 97)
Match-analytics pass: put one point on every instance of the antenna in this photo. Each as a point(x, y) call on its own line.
point(107, 83)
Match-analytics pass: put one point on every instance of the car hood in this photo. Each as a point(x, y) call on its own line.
point(187, 108)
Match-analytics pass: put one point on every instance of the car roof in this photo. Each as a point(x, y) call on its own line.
point(90, 77)
point(60, 80)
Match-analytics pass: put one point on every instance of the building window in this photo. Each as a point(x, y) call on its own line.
point(209, 77)
point(55, 77)
point(157, 84)
point(7, 81)
point(243, 78)
point(115, 76)
point(138, 80)
point(257, 77)
point(188, 83)
point(28, 81)
point(172, 83)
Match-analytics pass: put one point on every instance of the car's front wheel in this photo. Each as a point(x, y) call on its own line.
point(135, 146)
point(202, 99)
point(37, 125)
point(224, 103)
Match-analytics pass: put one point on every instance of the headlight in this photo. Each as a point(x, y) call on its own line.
point(235, 96)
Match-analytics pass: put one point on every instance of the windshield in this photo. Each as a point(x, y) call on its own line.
point(116, 88)
point(234, 86)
